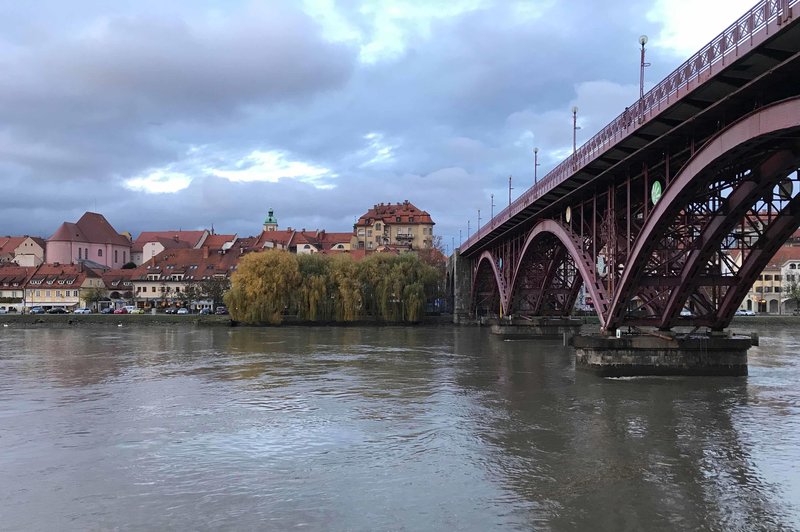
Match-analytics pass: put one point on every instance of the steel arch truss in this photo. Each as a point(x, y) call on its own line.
point(720, 220)
point(488, 288)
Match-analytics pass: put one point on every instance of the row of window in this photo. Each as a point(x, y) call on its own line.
point(83, 253)
point(768, 289)
point(47, 293)
point(153, 289)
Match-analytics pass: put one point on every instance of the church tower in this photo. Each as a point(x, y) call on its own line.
point(270, 222)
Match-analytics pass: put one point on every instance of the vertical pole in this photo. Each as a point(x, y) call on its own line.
point(642, 65)
point(535, 164)
point(509, 191)
point(479, 221)
point(492, 207)
point(467, 229)
point(574, 129)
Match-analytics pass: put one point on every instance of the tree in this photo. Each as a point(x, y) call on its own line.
point(262, 286)
point(93, 295)
point(214, 289)
point(792, 289)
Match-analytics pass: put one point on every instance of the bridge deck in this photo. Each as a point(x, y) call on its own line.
point(733, 63)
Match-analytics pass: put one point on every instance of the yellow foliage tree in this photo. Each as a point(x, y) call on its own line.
point(262, 286)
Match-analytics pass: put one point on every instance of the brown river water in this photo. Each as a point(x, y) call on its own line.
point(383, 428)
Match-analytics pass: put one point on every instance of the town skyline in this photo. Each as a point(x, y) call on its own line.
point(310, 108)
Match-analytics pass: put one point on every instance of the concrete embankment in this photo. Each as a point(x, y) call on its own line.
point(85, 320)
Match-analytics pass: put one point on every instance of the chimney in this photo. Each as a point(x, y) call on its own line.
point(205, 252)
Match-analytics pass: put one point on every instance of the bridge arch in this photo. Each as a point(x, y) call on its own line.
point(584, 263)
point(757, 129)
point(488, 290)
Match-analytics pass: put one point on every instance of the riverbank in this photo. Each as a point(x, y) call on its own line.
point(78, 320)
point(194, 320)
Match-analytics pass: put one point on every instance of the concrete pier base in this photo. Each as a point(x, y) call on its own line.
point(665, 354)
point(539, 328)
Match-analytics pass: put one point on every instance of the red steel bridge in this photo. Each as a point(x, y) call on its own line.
point(678, 203)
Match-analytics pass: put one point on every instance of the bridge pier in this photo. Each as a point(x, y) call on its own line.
point(461, 271)
point(536, 328)
point(709, 354)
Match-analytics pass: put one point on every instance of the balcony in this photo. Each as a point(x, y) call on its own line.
point(404, 236)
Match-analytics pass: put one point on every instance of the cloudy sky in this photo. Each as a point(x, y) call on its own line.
point(188, 113)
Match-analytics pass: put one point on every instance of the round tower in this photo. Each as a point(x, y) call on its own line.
point(270, 222)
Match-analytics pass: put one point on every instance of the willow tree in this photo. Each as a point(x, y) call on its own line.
point(313, 298)
point(348, 295)
point(262, 286)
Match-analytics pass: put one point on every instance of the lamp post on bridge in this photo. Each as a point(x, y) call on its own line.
point(479, 221)
point(492, 196)
point(467, 229)
point(510, 188)
point(535, 164)
point(460, 240)
point(642, 66)
point(575, 128)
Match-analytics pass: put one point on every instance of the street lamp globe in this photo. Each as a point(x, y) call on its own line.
point(643, 40)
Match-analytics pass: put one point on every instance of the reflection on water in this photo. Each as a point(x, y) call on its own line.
point(382, 428)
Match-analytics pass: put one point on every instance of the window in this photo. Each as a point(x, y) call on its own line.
point(793, 266)
point(411, 219)
point(777, 289)
point(369, 232)
point(397, 219)
point(125, 260)
point(79, 253)
point(759, 288)
point(116, 257)
point(47, 293)
point(767, 277)
point(767, 289)
point(38, 293)
point(378, 226)
point(58, 293)
point(99, 252)
point(777, 277)
point(86, 253)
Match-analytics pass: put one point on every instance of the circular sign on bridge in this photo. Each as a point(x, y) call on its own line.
point(568, 214)
point(785, 189)
point(655, 192)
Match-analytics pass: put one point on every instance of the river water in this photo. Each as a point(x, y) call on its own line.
point(390, 428)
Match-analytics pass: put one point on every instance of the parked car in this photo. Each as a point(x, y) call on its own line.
point(795, 312)
point(136, 311)
point(121, 311)
point(205, 311)
point(743, 312)
point(183, 311)
point(37, 310)
point(83, 310)
point(686, 313)
point(221, 310)
point(57, 310)
point(171, 310)
point(107, 310)
point(3, 311)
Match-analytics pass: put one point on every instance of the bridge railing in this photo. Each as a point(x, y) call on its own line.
point(696, 67)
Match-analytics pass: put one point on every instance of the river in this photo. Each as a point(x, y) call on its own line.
point(383, 428)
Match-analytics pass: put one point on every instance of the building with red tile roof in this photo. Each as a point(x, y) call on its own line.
point(91, 238)
point(216, 242)
point(395, 224)
point(150, 243)
point(61, 285)
point(13, 279)
point(165, 278)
